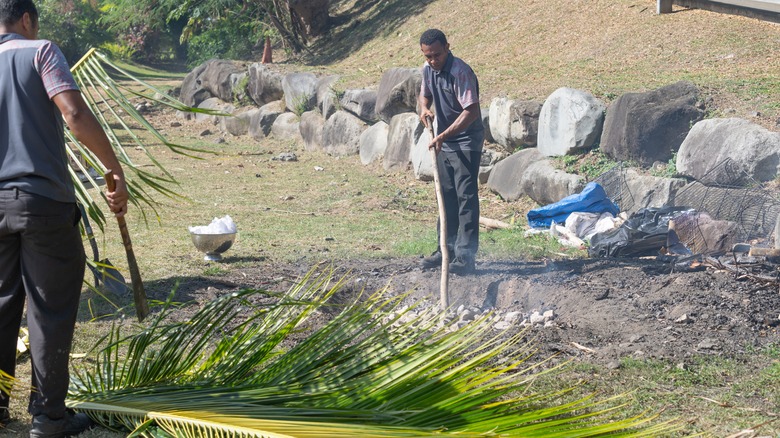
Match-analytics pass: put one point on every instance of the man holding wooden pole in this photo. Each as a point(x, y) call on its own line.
point(41, 250)
point(451, 86)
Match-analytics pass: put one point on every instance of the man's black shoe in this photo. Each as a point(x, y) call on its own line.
point(433, 261)
point(462, 266)
point(69, 425)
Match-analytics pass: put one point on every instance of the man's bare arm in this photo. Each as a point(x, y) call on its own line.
point(87, 130)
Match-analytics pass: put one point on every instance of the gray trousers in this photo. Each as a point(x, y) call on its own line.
point(41, 259)
point(459, 174)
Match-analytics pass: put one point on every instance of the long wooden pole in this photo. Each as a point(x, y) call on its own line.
point(445, 254)
point(139, 294)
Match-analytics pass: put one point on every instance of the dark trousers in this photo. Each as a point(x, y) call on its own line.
point(459, 174)
point(42, 260)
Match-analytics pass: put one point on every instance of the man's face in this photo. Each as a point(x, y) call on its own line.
point(435, 54)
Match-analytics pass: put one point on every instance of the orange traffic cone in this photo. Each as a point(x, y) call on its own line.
point(267, 58)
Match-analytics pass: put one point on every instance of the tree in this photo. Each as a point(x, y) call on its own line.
point(233, 29)
point(71, 25)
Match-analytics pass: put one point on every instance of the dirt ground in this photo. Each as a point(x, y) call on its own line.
point(604, 309)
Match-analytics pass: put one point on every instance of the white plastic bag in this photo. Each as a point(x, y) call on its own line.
point(223, 225)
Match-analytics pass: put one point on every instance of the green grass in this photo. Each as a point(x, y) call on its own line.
point(715, 396)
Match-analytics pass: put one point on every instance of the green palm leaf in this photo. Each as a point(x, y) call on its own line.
point(126, 128)
point(254, 364)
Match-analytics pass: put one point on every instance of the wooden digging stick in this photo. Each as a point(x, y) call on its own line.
point(139, 295)
point(445, 255)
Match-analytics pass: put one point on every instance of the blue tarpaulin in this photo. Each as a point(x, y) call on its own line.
point(592, 199)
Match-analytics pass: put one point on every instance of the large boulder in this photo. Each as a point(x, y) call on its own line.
point(261, 122)
point(238, 124)
point(311, 127)
point(486, 124)
point(404, 131)
point(300, 92)
point(545, 184)
point(649, 191)
point(650, 127)
point(398, 91)
point(507, 175)
point(213, 104)
point(341, 134)
point(422, 160)
point(327, 100)
point(218, 78)
point(265, 85)
point(192, 92)
point(361, 103)
point(486, 163)
point(286, 126)
point(373, 142)
point(570, 120)
point(752, 152)
point(514, 123)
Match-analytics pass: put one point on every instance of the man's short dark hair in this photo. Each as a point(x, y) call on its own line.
point(11, 11)
point(430, 36)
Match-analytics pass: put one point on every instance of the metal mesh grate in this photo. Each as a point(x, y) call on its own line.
point(614, 183)
point(727, 193)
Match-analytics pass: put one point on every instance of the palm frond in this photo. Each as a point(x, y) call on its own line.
point(253, 363)
point(107, 96)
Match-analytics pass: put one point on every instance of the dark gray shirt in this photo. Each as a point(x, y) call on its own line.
point(451, 89)
point(32, 144)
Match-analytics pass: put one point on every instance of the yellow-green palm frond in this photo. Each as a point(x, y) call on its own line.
point(126, 128)
point(255, 364)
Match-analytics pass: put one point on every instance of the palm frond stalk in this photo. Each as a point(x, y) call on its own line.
point(126, 128)
point(252, 364)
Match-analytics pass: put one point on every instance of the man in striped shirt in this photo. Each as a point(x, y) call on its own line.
point(41, 251)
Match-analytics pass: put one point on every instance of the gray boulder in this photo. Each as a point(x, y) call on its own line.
point(260, 123)
point(507, 175)
point(753, 152)
point(570, 120)
point(192, 92)
point(217, 78)
point(422, 160)
point(513, 123)
point(361, 103)
point(239, 83)
point(327, 100)
point(650, 127)
point(286, 126)
point(545, 184)
point(300, 92)
point(486, 123)
point(404, 131)
point(373, 142)
point(265, 85)
point(214, 104)
point(341, 134)
point(397, 93)
point(311, 127)
point(238, 124)
point(650, 191)
point(488, 160)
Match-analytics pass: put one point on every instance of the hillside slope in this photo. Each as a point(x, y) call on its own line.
point(527, 49)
